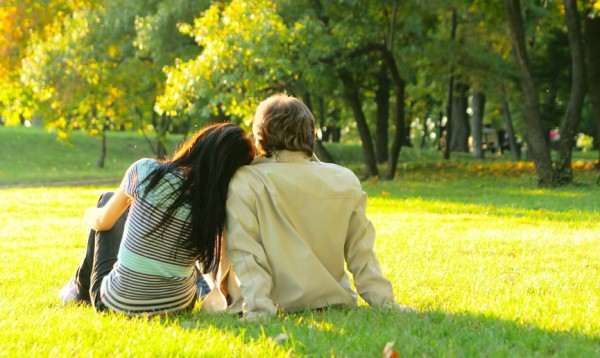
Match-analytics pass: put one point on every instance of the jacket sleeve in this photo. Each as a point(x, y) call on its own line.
point(362, 261)
point(245, 250)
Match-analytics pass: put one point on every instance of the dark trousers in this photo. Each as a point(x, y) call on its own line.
point(100, 257)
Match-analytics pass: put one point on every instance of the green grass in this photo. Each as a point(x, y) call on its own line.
point(32, 155)
point(495, 266)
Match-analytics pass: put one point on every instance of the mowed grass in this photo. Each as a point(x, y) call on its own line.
point(35, 156)
point(495, 267)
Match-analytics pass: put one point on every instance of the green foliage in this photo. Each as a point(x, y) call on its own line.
point(102, 66)
point(60, 76)
point(246, 51)
point(22, 21)
point(163, 66)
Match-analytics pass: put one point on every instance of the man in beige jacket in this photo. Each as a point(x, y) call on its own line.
point(292, 222)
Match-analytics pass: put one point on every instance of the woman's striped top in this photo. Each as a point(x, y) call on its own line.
point(154, 273)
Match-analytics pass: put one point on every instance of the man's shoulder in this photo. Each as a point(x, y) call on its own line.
point(339, 173)
point(245, 176)
point(336, 168)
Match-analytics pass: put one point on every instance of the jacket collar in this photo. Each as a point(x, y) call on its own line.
point(284, 156)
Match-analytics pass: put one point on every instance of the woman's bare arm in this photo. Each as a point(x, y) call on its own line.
point(104, 218)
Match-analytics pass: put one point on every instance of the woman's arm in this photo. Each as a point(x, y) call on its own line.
point(104, 218)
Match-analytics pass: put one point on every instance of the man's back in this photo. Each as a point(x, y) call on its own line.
point(292, 224)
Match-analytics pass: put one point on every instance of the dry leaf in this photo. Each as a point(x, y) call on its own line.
point(389, 352)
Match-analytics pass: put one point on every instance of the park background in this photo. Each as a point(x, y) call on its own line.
point(474, 126)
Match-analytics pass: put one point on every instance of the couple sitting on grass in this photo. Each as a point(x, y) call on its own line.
point(273, 231)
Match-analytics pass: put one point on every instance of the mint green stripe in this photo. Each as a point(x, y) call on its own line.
point(148, 266)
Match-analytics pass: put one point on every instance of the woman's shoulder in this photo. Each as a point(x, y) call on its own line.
point(146, 162)
point(145, 165)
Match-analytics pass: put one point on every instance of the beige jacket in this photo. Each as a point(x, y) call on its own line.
point(292, 223)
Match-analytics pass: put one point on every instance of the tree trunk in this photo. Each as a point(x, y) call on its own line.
point(161, 127)
point(572, 117)
point(459, 134)
point(592, 51)
point(425, 135)
point(321, 120)
point(143, 129)
point(445, 135)
point(515, 151)
point(382, 99)
point(353, 97)
point(548, 112)
point(334, 129)
point(399, 134)
point(320, 150)
point(102, 156)
point(477, 124)
point(440, 134)
point(187, 127)
point(531, 111)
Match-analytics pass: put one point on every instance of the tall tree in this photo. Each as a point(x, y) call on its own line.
point(570, 123)
point(592, 51)
point(146, 37)
point(478, 105)
point(322, 49)
point(353, 98)
point(382, 98)
point(531, 112)
point(459, 130)
point(349, 64)
point(515, 151)
point(399, 115)
point(447, 134)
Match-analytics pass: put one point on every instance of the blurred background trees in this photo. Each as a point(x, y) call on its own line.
point(468, 76)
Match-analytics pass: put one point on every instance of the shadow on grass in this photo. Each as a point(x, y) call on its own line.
point(365, 331)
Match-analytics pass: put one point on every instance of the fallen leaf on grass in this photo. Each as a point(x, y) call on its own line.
point(389, 352)
point(372, 182)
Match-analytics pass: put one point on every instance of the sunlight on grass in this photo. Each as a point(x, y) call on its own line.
point(535, 267)
point(495, 269)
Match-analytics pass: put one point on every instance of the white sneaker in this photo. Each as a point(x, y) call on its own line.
point(69, 293)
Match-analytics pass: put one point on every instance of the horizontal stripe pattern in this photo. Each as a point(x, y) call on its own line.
point(154, 273)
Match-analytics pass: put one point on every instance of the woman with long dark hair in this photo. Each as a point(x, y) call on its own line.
point(165, 218)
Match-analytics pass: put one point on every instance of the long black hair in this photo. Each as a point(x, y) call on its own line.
point(207, 162)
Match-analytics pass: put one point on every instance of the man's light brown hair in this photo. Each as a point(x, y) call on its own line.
point(283, 122)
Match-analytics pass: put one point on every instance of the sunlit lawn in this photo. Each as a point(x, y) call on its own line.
point(495, 267)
